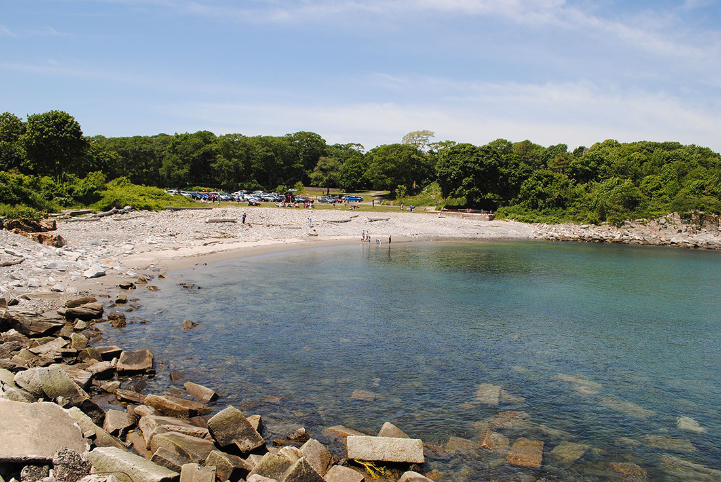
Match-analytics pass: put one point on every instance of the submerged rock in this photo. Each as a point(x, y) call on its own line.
point(674, 444)
point(488, 394)
point(135, 361)
point(689, 425)
point(526, 453)
point(568, 452)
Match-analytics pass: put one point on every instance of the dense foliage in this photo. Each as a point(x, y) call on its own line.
point(46, 163)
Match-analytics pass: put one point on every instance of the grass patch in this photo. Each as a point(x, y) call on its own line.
point(121, 192)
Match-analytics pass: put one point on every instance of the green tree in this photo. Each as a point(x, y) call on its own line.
point(53, 143)
point(471, 172)
point(394, 164)
point(326, 173)
point(418, 139)
point(11, 130)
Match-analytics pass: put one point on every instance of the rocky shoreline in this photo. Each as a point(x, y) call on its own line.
point(70, 405)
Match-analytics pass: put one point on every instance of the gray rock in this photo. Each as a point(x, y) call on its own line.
point(176, 407)
point(412, 476)
point(57, 385)
point(231, 427)
point(29, 380)
point(118, 423)
point(317, 456)
point(271, 466)
point(196, 473)
point(385, 449)
point(135, 361)
point(170, 459)
point(227, 466)
point(95, 271)
point(78, 341)
point(151, 425)
point(70, 466)
point(78, 375)
point(88, 311)
point(338, 473)
point(390, 430)
point(129, 467)
point(53, 346)
point(98, 435)
point(196, 449)
point(301, 471)
point(34, 432)
point(34, 473)
point(200, 392)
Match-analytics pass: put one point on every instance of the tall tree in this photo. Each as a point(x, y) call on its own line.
point(11, 129)
point(53, 143)
point(327, 173)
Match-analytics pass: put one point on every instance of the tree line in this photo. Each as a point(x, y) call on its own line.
point(609, 181)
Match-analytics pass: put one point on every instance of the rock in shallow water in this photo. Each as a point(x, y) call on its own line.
point(385, 449)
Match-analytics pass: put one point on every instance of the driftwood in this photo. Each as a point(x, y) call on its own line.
point(185, 208)
point(80, 220)
point(370, 220)
point(128, 218)
point(221, 220)
point(12, 262)
point(338, 221)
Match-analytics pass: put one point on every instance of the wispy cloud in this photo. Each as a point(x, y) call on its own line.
point(25, 33)
point(6, 32)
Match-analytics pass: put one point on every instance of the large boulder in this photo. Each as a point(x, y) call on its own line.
point(135, 361)
point(271, 466)
point(88, 311)
point(53, 383)
point(227, 466)
point(34, 324)
point(385, 449)
point(128, 467)
point(98, 435)
point(301, 471)
point(317, 455)
point(176, 407)
point(34, 432)
point(151, 425)
point(230, 427)
point(196, 449)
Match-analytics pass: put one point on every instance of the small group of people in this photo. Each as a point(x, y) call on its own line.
point(411, 207)
point(366, 238)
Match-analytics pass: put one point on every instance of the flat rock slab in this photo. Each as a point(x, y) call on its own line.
point(135, 361)
point(34, 432)
point(338, 473)
point(176, 407)
point(526, 453)
point(488, 394)
point(569, 452)
point(196, 449)
point(231, 427)
point(128, 467)
point(196, 473)
point(385, 449)
point(118, 422)
point(200, 392)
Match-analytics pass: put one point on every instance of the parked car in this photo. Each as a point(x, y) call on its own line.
point(352, 199)
point(253, 201)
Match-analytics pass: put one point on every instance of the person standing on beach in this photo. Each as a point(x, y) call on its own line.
point(310, 222)
point(389, 241)
point(243, 218)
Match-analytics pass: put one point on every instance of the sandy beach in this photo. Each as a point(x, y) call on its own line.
point(101, 251)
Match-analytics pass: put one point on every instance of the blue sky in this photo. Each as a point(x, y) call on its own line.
point(551, 71)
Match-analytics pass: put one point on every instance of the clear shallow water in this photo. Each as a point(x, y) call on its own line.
point(606, 344)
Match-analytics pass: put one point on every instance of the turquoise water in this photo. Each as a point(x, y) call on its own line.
point(601, 345)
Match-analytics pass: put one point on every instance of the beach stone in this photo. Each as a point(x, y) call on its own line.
point(130, 396)
point(291, 453)
point(628, 468)
point(170, 459)
point(488, 394)
point(176, 407)
point(271, 466)
point(135, 361)
point(34, 432)
point(118, 423)
point(189, 324)
point(341, 432)
point(128, 467)
point(33, 324)
point(568, 452)
point(101, 370)
point(88, 311)
point(390, 430)
point(628, 408)
point(496, 442)
point(297, 438)
point(526, 453)
point(200, 392)
point(151, 425)
point(57, 385)
point(196, 473)
point(509, 420)
point(78, 375)
point(457, 444)
point(34, 473)
point(385, 449)
point(231, 427)
point(70, 466)
point(301, 471)
point(339, 473)
point(107, 353)
point(95, 271)
point(411, 476)
point(117, 320)
point(673, 444)
point(49, 348)
point(689, 425)
point(317, 455)
point(78, 341)
point(196, 449)
point(121, 299)
point(74, 303)
point(688, 471)
point(29, 380)
point(363, 395)
point(137, 442)
point(256, 421)
point(227, 465)
point(89, 354)
point(92, 431)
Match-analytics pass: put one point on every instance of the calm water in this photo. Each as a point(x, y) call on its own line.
point(606, 345)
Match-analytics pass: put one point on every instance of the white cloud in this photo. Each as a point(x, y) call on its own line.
point(5, 32)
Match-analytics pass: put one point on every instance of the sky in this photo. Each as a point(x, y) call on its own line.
point(369, 71)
